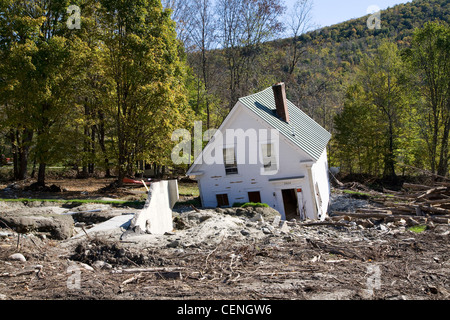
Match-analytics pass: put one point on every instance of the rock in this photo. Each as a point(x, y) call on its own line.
point(266, 230)
point(17, 257)
point(180, 224)
point(59, 227)
point(3, 297)
point(229, 211)
point(220, 210)
point(401, 222)
point(174, 244)
point(99, 264)
point(268, 213)
point(276, 221)
point(257, 217)
point(245, 232)
point(442, 230)
point(284, 227)
point(86, 266)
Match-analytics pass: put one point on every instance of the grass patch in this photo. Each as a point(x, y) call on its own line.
point(188, 189)
point(357, 193)
point(364, 195)
point(418, 229)
point(250, 204)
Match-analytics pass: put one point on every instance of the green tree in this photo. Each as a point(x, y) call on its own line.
point(37, 88)
point(382, 79)
point(359, 134)
point(142, 60)
point(429, 58)
point(18, 34)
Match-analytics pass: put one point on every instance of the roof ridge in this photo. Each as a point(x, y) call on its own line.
point(310, 136)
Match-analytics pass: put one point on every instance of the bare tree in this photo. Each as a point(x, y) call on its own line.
point(299, 22)
point(202, 36)
point(181, 14)
point(243, 26)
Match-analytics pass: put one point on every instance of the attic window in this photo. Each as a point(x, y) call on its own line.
point(229, 159)
point(269, 157)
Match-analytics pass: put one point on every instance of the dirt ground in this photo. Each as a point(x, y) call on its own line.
point(235, 257)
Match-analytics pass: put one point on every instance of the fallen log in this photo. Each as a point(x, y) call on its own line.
point(432, 191)
point(376, 215)
point(413, 186)
point(156, 269)
point(422, 219)
point(439, 201)
point(323, 223)
point(440, 220)
point(401, 209)
point(373, 210)
point(434, 210)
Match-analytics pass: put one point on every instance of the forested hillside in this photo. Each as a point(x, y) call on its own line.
point(324, 69)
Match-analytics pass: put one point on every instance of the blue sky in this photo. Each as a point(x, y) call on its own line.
point(329, 12)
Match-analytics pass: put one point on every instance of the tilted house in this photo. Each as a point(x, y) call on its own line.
point(291, 174)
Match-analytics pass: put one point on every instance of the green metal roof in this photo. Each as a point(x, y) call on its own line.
point(301, 129)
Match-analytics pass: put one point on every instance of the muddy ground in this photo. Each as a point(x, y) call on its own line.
point(225, 255)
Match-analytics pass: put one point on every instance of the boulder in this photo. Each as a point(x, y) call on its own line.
point(59, 227)
point(17, 257)
point(268, 213)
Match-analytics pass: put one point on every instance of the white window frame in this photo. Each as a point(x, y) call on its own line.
point(269, 161)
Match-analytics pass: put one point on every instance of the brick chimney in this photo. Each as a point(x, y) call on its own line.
point(279, 92)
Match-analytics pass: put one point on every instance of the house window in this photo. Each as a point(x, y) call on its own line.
point(229, 159)
point(222, 200)
point(254, 197)
point(269, 157)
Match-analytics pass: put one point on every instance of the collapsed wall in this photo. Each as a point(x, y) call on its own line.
point(156, 216)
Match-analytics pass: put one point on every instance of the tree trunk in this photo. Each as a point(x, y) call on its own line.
point(15, 154)
point(41, 174)
point(21, 141)
point(389, 158)
point(91, 165)
point(443, 159)
point(101, 141)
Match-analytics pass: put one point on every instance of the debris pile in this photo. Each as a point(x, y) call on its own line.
point(415, 204)
point(245, 253)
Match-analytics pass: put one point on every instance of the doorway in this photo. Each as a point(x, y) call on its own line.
point(290, 203)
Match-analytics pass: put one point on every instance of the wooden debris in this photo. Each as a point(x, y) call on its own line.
point(413, 201)
point(140, 270)
point(375, 215)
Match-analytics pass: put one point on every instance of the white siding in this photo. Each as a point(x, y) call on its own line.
point(321, 183)
point(292, 163)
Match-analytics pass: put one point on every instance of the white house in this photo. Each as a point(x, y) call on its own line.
point(277, 156)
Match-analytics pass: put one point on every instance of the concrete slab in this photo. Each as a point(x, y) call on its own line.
point(115, 223)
